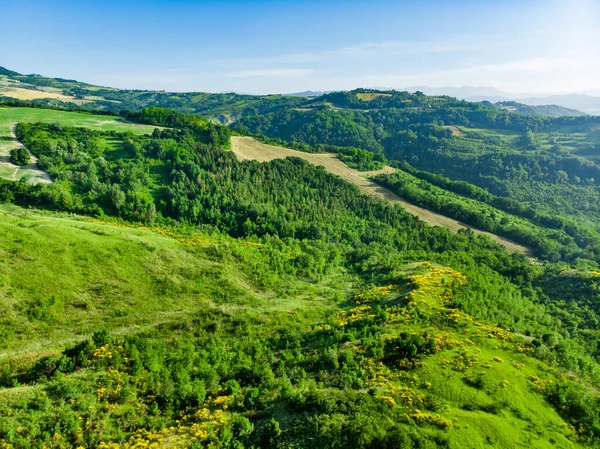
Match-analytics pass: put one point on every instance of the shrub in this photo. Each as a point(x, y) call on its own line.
point(19, 156)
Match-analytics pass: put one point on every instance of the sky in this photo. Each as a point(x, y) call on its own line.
point(275, 46)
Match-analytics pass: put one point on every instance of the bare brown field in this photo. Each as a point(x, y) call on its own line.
point(247, 148)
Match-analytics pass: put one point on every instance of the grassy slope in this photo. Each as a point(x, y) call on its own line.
point(106, 276)
point(10, 116)
point(61, 279)
point(482, 377)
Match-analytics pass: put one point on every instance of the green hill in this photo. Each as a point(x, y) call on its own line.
point(196, 300)
point(547, 163)
point(6, 72)
point(10, 116)
point(224, 108)
point(307, 363)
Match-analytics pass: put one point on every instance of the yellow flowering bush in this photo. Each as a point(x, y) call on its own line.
point(375, 294)
point(432, 419)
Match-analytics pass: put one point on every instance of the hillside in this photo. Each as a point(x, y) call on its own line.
point(546, 163)
point(249, 148)
point(225, 108)
point(465, 384)
point(10, 116)
point(587, 102)
point(162, 292)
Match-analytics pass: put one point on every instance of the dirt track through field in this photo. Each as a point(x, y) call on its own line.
point(32, 171)
point(248, 148)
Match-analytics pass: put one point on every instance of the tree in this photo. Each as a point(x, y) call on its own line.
point(19, 156)
point(150, 215)
point(118, 197)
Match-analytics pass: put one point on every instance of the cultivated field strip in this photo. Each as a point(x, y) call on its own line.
point(248, 148)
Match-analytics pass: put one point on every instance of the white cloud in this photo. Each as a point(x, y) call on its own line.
point(405, 47)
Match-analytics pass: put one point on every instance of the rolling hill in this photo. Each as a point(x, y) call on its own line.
point(225, 108)
point(161, 292)
point(551, 110)
point(587, 102)
point(172, 303)
point(546, 163)
point(9, 117)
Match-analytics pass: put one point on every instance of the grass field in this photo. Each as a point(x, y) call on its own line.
point(249, 148)
point(9, 117)
point(371, 96)
point(63, 278)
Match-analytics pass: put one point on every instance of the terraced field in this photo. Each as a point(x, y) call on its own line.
point(248, 148)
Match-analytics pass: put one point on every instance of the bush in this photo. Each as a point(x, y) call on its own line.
point(19, 156)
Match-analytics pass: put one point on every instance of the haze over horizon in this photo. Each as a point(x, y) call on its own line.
point(538, 47)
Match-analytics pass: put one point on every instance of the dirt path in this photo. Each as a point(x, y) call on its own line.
point(31, 170)
point(248, 148)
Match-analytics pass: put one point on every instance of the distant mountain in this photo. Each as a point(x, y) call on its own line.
point(309, 93)
point(593, 92)
point(584, 102)
point(228, 107)
point(464, 92)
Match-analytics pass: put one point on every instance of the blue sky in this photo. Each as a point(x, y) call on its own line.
point(283, 46)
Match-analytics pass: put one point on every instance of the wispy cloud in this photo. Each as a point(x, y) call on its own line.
point(369, 49)
point(287, 73)
point(406, 47)
point(521, 66)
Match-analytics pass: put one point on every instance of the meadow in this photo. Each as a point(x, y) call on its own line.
point(65, 276)
point(10, 116)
